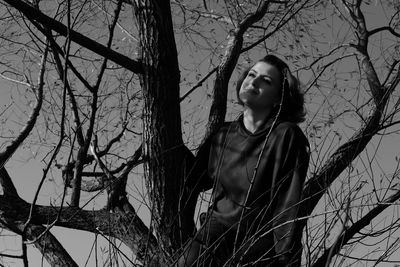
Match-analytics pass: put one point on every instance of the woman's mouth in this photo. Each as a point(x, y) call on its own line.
point(251, 91)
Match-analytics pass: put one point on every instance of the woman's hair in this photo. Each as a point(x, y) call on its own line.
point(293, 98)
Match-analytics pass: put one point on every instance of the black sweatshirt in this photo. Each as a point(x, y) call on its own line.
point(267, 223)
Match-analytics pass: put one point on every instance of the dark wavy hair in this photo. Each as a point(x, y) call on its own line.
point(293, 101)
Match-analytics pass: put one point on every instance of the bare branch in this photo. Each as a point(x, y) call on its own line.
point(33, 14)
point(14, 80)
point(117, 186)
point(59, 51)
point(200, 83)
point(102, 166)
point(74, 106)
point(10, 256)
point(384, 28)
point(11, 148)
point(345, 154)
point(127, 227)
point(345, 237)
point(283, 21)
point(82, 153)
point(226, 67)
point(109, 42)
point(49, 246)
point(133, 161)
point(51, 249)
point(113, 141)
point(206, 14)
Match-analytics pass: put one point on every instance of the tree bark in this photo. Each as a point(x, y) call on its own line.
point(126, 226)
point(164, 150)
point(49, 246)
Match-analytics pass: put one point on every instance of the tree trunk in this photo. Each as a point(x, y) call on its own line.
point(163, 146)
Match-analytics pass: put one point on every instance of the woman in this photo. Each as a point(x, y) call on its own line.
point(257, 165)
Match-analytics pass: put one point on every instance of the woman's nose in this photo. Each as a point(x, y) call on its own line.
point(255, 81)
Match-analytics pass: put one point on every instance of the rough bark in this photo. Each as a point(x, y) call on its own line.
point(49, 246)
point(126, 226)
point(163, 146)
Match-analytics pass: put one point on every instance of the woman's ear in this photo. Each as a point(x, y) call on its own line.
point(276, 105)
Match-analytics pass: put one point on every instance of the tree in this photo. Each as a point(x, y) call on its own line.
point(116, 81)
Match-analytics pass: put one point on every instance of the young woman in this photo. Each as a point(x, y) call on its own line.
point(256, 166)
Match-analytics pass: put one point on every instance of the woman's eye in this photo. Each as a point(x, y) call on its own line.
point(267, 81)
point(251, 74)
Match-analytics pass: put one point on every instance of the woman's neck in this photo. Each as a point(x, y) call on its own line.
point(252, 120)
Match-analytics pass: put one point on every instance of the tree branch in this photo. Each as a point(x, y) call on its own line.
point(51, 249)
point(355, 228)
point(72, 100)
point(82, 153)
point(281, 23)
point(226, 67)
point(384, 28)
point(7, 184)
point(49, 246)
point(200, 83)
point(10, 149)
point(127, 227)
point(113, 141)
point(32, 14)
point(345, 154)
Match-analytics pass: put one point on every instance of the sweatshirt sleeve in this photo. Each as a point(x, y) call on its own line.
point(291, 163)
point(199, 174)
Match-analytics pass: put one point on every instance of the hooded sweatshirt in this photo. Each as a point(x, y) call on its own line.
point(260, 205)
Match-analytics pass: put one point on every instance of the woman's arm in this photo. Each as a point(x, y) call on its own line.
point(198, 177)
point(292, 154)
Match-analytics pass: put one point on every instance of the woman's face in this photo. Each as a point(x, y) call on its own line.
point(260, 89)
